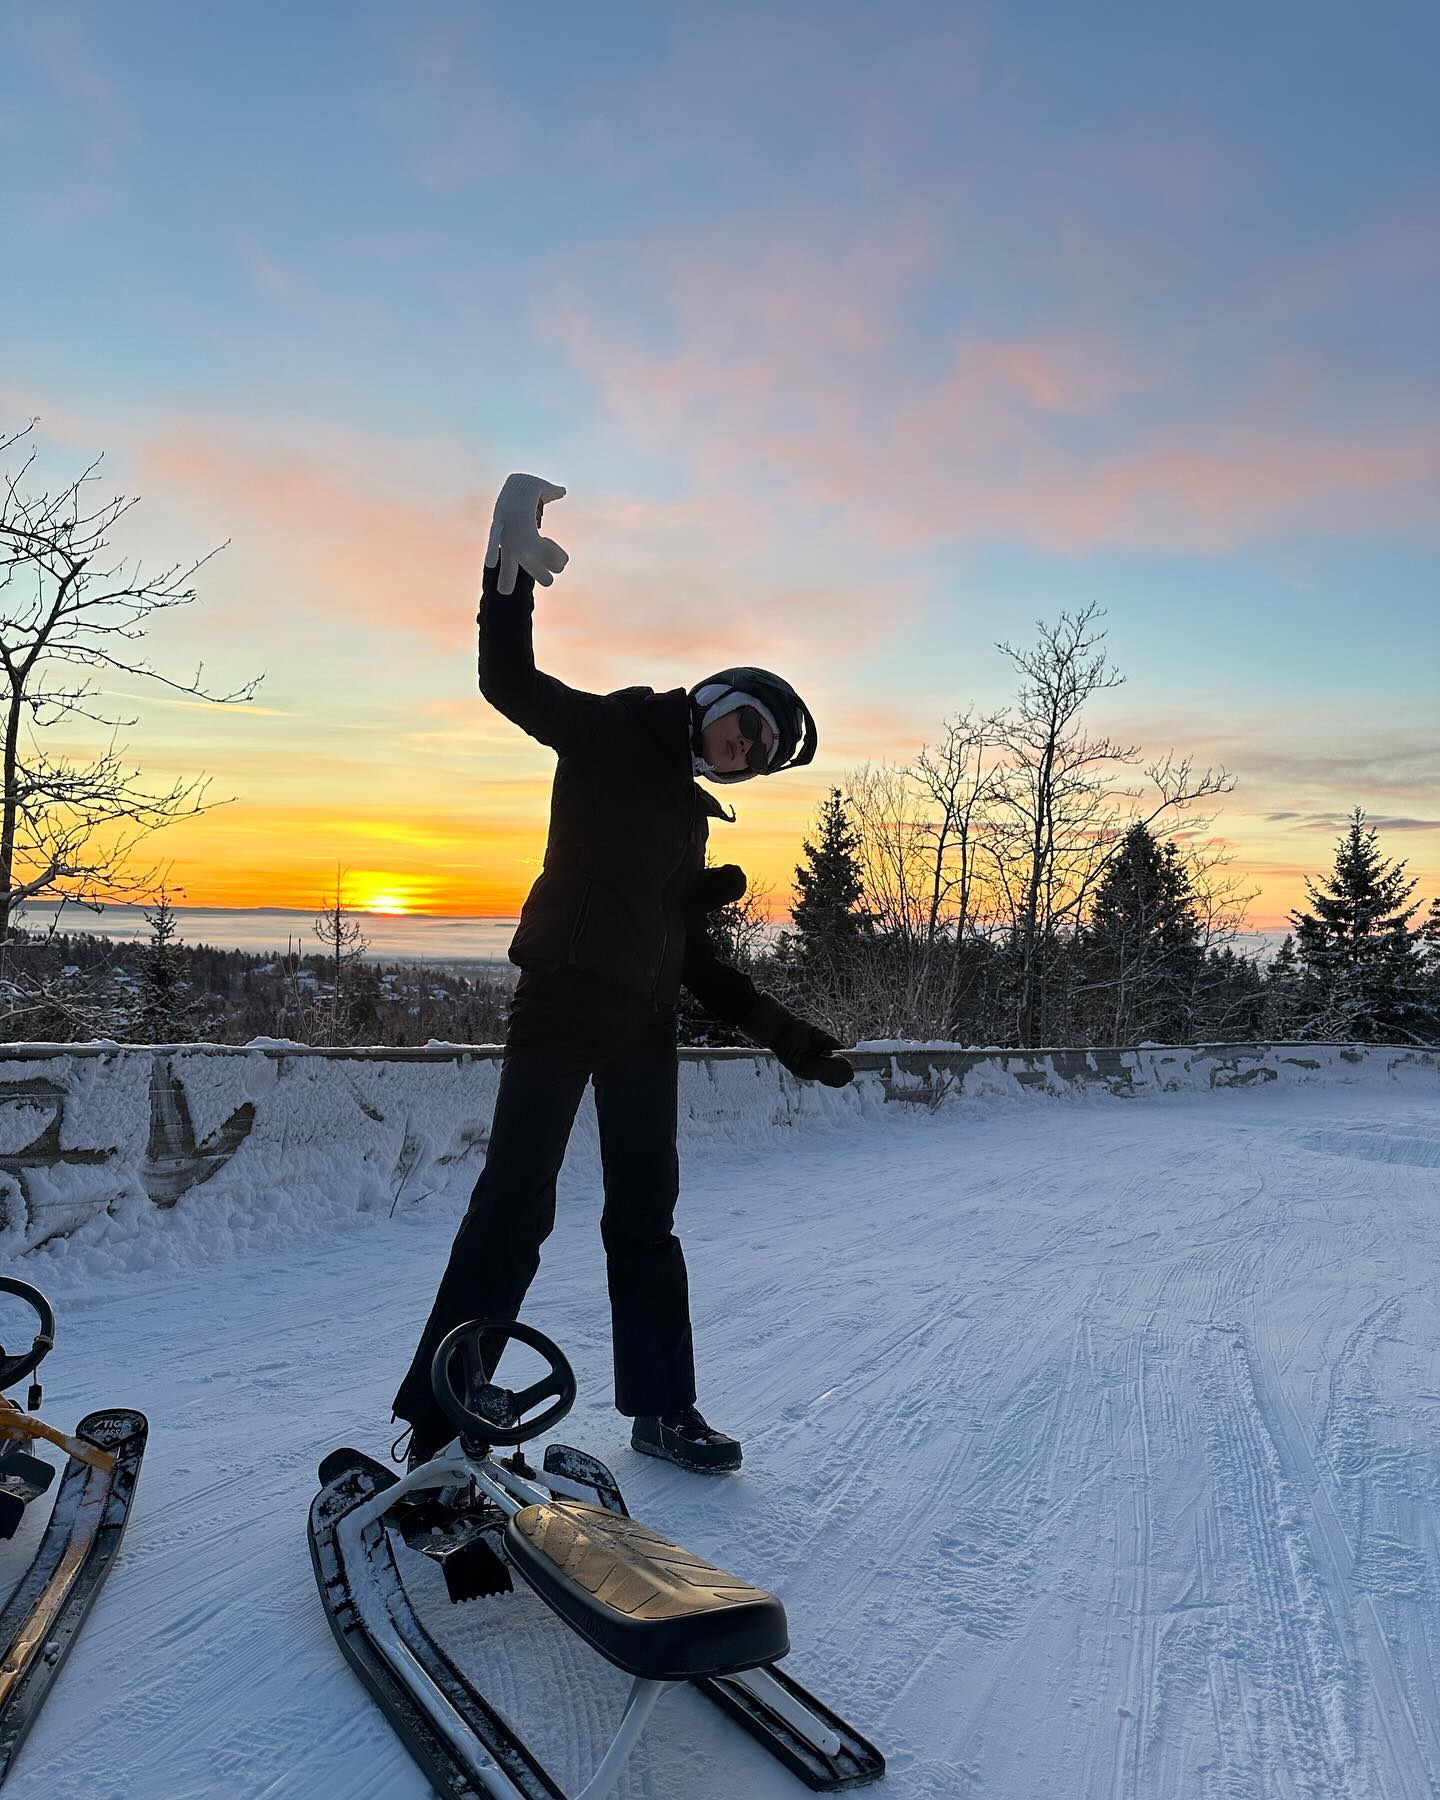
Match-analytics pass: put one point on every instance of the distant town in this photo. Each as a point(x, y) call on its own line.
point(79, 985)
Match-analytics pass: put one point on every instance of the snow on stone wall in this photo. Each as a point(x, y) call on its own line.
point(100, 1143)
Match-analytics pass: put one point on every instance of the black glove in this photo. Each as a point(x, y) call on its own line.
point(805, 1050)
point(714, 888)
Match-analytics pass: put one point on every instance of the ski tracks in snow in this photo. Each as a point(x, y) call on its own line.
point(1090, 1445)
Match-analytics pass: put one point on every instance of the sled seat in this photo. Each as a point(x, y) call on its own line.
point(645, 1604)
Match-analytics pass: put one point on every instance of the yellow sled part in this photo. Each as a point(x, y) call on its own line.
point(16, 1424)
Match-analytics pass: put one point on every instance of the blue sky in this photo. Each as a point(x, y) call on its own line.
point(861, 340)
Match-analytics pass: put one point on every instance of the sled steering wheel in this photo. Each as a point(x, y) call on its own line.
point(15, 1368)
point(498, 1415)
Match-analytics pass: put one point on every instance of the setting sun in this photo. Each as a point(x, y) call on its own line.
point(380, 893)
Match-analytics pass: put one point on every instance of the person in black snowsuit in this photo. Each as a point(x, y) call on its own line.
point(611, 929)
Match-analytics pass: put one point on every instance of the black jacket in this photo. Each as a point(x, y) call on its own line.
point(628, 824)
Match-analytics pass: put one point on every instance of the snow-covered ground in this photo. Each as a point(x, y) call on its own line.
point(1090, 1443)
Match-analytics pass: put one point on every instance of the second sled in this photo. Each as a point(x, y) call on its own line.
point(49, 1603)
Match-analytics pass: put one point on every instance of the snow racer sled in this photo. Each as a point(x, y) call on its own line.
point(650, 1608)
point(40, 1620)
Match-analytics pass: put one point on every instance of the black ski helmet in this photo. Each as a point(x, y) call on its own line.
point(796, 739)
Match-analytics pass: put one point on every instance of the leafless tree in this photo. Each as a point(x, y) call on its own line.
point(1063, 803)
point(741, 931)
point(908, 848)
point(61, 1005)
point(885, 811)
point(959, 778)
point(345, 945)
point(71, 611)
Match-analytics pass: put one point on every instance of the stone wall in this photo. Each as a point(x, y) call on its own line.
point(92, 1134)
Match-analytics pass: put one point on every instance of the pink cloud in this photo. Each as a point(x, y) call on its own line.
point(1074, 375)
point(791, 366)
point(373, 553)
point(665, 591)
point(855, 734)
point(1176, 496)
point(763, 332)
point(657, 592)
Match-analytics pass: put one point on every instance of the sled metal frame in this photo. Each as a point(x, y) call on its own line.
point(770, 1706)
point(41, 1619)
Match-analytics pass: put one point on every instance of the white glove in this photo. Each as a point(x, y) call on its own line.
point(515, 540)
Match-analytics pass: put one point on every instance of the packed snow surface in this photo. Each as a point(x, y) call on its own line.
point(1090, 1443)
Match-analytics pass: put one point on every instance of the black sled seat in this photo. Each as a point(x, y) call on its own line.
point(645, 1604)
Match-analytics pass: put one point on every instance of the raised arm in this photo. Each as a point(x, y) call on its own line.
point(565, 718)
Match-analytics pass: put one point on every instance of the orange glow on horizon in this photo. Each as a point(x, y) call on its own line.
point(463, 894)
point(482, 863)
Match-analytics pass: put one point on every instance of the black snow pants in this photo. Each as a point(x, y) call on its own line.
point(568, 1028)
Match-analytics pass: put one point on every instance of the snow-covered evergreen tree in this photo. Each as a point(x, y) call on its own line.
point(1141, 946)
point(1430, 934)
point(163, 1008)
point(1229, 1000)
point(1285, 1003)
point(1430, 938)
point(1359, 953)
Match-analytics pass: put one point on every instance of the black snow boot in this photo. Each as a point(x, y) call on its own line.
point(686, 1439)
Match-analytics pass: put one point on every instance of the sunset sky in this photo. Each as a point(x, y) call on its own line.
point(862, 337)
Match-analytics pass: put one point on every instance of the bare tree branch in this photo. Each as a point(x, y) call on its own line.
point(69, 828)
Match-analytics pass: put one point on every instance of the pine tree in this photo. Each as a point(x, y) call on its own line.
point(1141, 944)
point(1285, 1002)
point(1358, 948)
point(1430, 937)
point(1430, 932)
point(361, 1016)
point(1231, 1000)
point(166, 1013)
point(828, 922)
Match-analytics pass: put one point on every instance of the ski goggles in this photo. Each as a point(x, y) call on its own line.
point(757, 757)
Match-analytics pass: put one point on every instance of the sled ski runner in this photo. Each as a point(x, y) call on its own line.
point(40, 1620)
point(649, 1607)
point(47, 1609)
